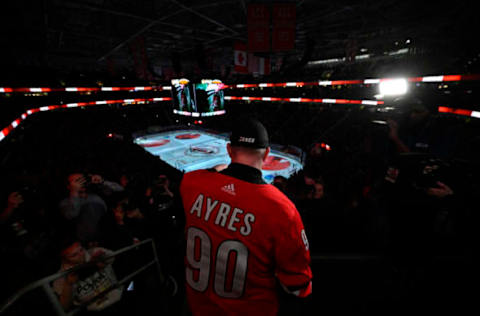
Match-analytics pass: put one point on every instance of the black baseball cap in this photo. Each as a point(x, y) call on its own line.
point(249, 133)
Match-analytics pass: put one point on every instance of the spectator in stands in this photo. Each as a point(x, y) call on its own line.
point(124, 181)
point(316, 192)
point(420, 209)
point(159, 195)
point(90, 282)
point(40, 246)
point(158, 208)
point(280, 183)
point(83, 208)
point(321, 217)
point(137, 222)
point(421, 142)
point(12, 237)
point(104, 187)
point(11, 216)
point(302, 187)
point(419, 131)
point(26, 231)
point(115, 234)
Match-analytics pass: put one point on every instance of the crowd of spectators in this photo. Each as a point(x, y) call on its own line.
point(79, 188)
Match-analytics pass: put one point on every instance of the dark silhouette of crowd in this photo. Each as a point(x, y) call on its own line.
point(85, 189)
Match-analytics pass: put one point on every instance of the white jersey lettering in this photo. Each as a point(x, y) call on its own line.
point(247, 229)
point(223, 214)
point(197, 206)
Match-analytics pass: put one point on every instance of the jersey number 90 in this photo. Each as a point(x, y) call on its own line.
point(200, 260)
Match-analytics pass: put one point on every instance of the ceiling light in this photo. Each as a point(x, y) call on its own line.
point(393, 87)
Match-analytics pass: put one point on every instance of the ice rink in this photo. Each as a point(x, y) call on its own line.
point(188, 150)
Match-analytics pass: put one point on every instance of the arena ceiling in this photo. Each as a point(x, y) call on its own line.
point(66, 33)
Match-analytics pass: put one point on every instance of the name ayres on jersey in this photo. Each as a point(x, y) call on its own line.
point(226, 216)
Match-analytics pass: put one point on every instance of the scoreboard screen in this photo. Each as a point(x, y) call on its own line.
point(198, 99)
point(183, 96)
point(210, 97)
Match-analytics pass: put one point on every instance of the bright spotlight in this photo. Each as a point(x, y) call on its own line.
point(393, 87)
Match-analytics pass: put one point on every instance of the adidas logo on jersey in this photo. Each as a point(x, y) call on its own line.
point(229, 188)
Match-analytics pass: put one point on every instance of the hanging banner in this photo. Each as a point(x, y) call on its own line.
point(264, 66)
point(258, 66)
point(283, 20)
point(258, 23)
point(137, 50)
point(240, 58)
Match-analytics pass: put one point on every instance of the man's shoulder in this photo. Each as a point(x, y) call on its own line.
point(195, 178)
point(274, 193)
point(278, 199)
point(197, 172)
point(201, 173)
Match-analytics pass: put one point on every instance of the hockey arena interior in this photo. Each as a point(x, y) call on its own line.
point(373, 122)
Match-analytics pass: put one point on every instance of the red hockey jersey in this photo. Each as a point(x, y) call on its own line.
point(241, 238)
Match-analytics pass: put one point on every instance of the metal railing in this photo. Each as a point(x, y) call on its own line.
point(52, 297)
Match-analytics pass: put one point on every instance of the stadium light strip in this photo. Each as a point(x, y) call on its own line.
point(83, 89)
point(470, 113)
point(7, 130)
point(437, 78)
point(442, 78)
point(332, 101)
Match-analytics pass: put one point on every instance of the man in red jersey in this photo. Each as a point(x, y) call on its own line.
point(243, 235)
